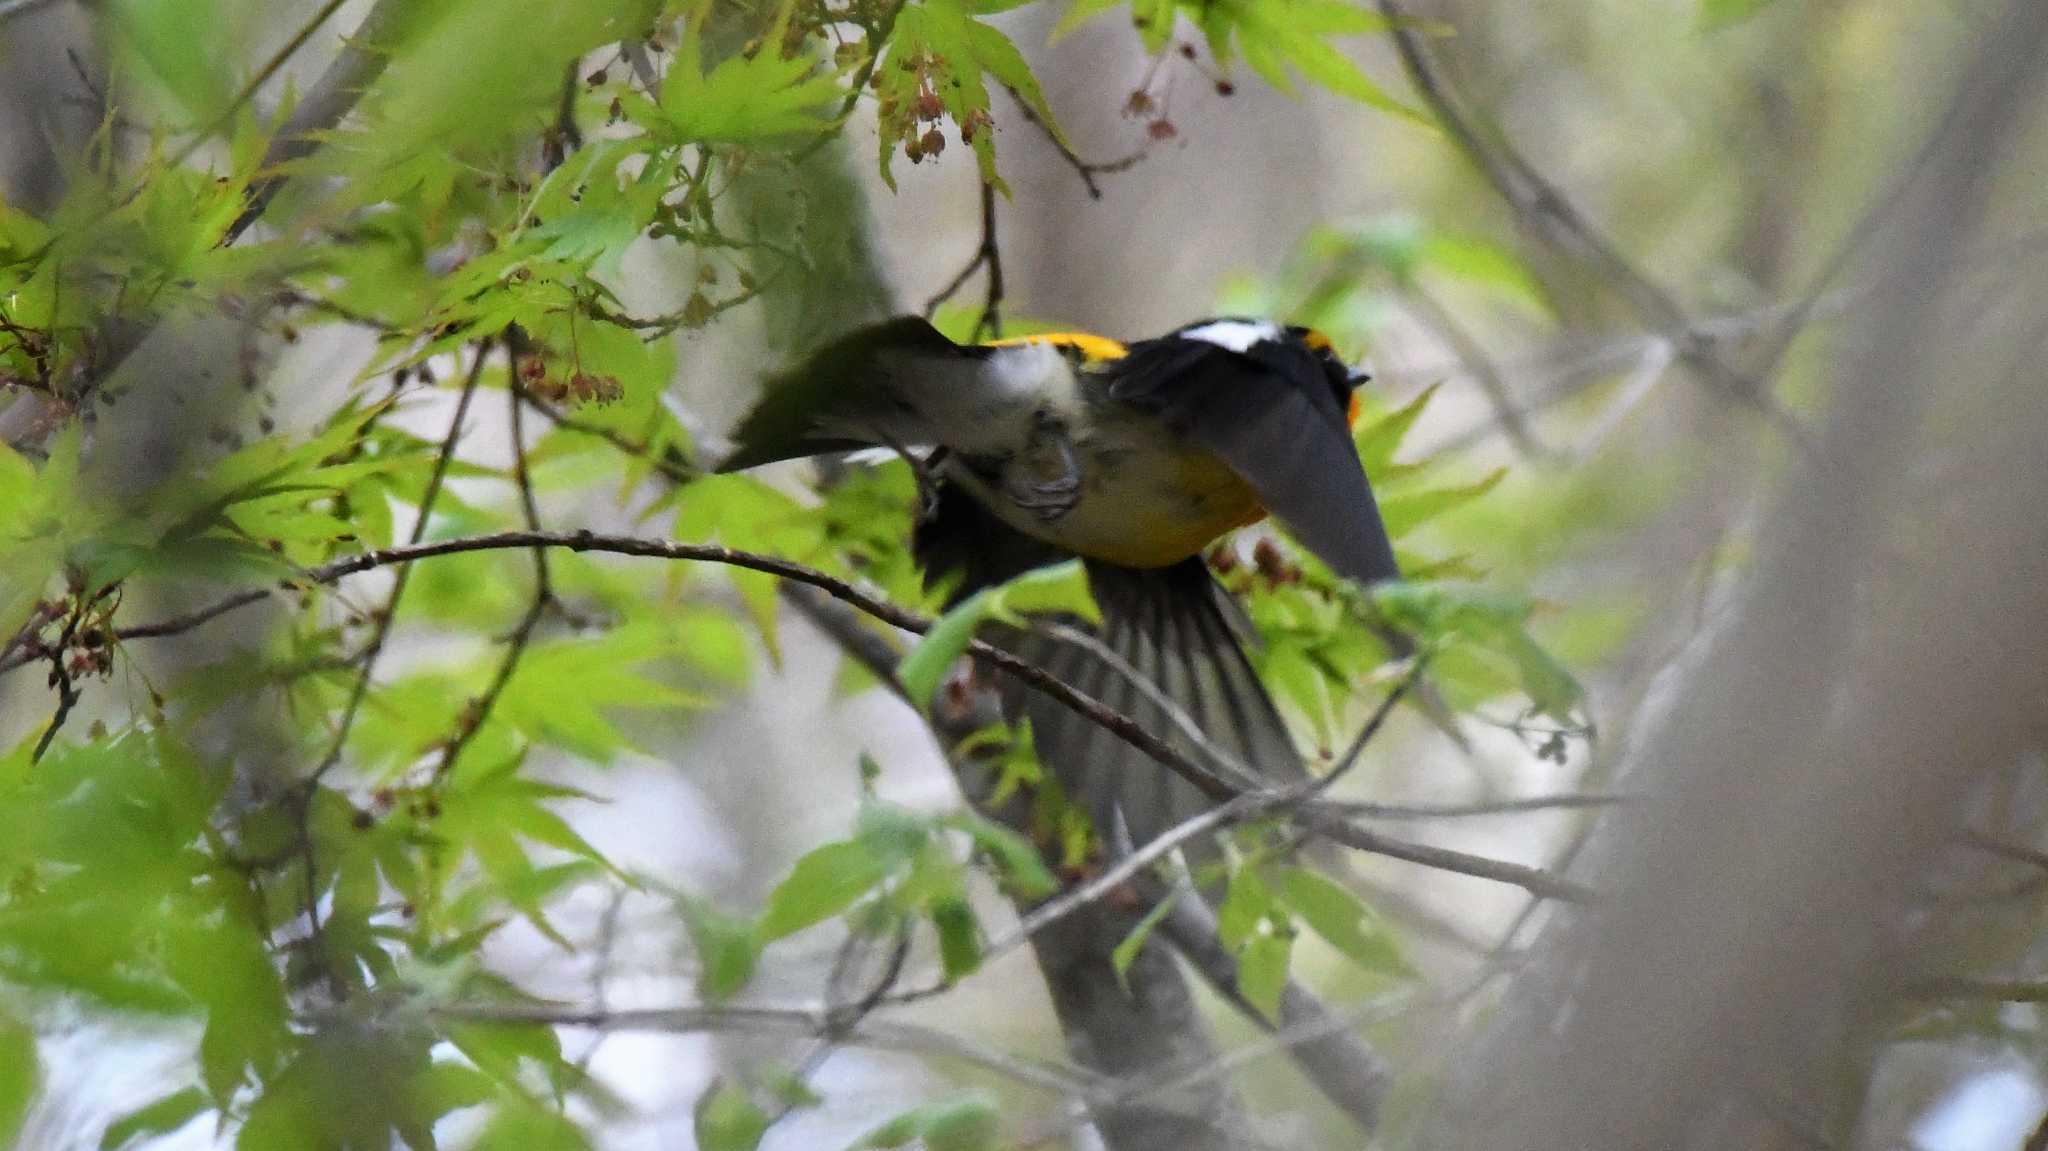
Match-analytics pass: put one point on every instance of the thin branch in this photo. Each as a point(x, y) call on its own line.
point(695, 314)
point(385, 617)
point(1374, 810)
point(61, 678)
point(670, 461)
point(1244, 808)
point(1046, 1075)
point(302, 795)
point(1479, 363)
point(248, 92)
point(988, 257)
point(855, 637)
point(1088, 170)
point(479, 709)
point(1543, 208)
point(1965, 987)
point(24, 640)
point(2006, 849)
point(1533, 880)
point(332, 97)
point(1331, 823)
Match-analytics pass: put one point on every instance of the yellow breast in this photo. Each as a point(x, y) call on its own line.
point(1139, 522)
point(1146, 501)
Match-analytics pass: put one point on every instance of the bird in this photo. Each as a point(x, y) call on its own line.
point(1134, 458)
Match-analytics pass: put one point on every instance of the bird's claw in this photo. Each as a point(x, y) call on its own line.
point(1045, 479)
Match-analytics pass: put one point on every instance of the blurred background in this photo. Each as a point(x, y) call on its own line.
point(1744, 296)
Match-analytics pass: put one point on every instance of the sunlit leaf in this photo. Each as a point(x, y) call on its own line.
point(727, 948)
point(160, 1116)
point(1332, 911)
point(728, 1119)
point(939, 648)
point(1262, 971)
point(20, 1074)
point(965, 1123)
point(823, 883)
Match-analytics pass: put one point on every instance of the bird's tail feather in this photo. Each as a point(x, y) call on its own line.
point(1174, 627)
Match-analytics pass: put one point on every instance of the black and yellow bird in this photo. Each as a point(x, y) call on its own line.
point(1134, 458)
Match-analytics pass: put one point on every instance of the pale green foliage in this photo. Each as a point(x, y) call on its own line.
point(144, 876)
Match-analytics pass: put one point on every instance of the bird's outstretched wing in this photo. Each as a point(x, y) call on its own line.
point(842, 395)
point(1271, 411)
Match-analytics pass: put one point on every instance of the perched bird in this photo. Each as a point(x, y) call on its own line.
point(1134, 458)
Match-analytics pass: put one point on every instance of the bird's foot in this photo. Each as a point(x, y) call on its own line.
point(1045, 479)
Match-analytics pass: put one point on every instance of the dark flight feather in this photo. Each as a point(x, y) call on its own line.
point(1276, 416)
point(1174, 625)
point(838, 384)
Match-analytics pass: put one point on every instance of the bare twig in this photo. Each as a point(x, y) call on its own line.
point(301, 795)
point(1088, 170)
point(1937, 987)
point(2006, 849)
point(61, 677)
point(1479, 363)
point(248, 92)
point(1046, 1075)
point(669, 461)
point(479, 709)
point(988, 257)
point(1242, 809)
point(382, 630)
point(23, 640)
point(1374, 810)
point(1331, 823)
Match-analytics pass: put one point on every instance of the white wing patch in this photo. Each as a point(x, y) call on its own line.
point(1234, 335)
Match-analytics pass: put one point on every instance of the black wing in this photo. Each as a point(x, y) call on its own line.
point(1175, 627)
point(1272, 413)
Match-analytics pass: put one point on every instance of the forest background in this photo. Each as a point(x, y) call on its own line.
point(403, 742)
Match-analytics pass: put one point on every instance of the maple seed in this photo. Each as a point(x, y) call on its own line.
point(1187, 51)
point(1271, 564)
point(598, 77)
point(929, 106)
point(1225, 88)
point(933, 143)
point(1161, 129)
point(1139, 104)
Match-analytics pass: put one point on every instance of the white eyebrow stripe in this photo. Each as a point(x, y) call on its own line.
point(1234, 335)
